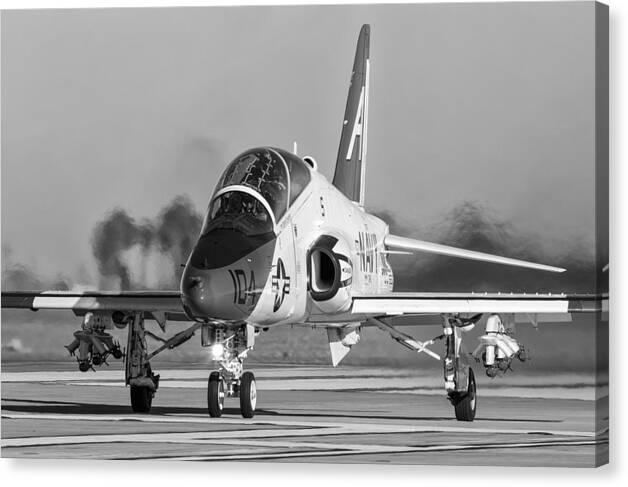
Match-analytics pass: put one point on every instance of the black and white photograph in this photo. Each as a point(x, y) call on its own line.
point(358, 234)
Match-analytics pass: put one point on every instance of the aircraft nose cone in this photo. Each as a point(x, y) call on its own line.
point(207, 294)
point(195, 296)
point(225, 275)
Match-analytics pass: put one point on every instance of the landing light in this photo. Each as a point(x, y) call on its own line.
point(217, 350)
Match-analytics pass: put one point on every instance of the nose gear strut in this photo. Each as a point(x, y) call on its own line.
point(229, 347)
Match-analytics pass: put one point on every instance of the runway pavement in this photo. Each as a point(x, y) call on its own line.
point(312, 414)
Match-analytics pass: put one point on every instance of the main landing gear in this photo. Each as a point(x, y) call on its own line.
point(138, 373)
point(228, 348)
point(459, 378)
point(92, 345)
point(465, 405)
point(460, 383)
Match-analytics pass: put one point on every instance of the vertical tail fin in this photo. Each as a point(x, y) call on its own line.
point(350, 163)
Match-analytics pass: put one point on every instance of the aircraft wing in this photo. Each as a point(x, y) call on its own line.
point(81, 302)
point(428, 309)
point(413, 245)
point(394, 304)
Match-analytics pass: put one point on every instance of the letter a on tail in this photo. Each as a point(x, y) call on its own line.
point(350, 163)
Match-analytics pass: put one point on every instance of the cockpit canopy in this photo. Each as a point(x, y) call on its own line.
point(276, 175)
point(239, 211)
point(252, 195)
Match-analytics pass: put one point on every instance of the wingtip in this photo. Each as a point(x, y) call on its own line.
point(550, 268)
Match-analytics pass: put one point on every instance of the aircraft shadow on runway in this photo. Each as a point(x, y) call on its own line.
point(65, 407)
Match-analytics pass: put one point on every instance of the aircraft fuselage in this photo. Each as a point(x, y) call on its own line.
point(322, 250)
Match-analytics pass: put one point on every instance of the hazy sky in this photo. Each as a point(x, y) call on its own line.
point(131, 107)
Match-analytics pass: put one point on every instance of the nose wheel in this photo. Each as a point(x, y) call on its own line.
point(215, 395)
point(219, 387)
point(248, 395)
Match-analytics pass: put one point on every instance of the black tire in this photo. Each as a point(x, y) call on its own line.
point(248, 395)
point(215, 395)
point(141, 399)
point(467, 405)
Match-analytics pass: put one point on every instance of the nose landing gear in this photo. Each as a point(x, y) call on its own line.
point(229, 347)
point(219, 387)
point(248, 395)
point(215, 395)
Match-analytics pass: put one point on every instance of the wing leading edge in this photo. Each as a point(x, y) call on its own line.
point(437, 303)
point(164, 301)
point(402, 243)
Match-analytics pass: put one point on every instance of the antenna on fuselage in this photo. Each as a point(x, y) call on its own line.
point(294, 148)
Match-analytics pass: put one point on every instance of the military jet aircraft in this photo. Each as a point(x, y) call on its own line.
point(281, 245)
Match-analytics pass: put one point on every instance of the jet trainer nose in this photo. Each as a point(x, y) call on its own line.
point(207, 294)
point(231, 262)
point(225, 276)
point(193, 291)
